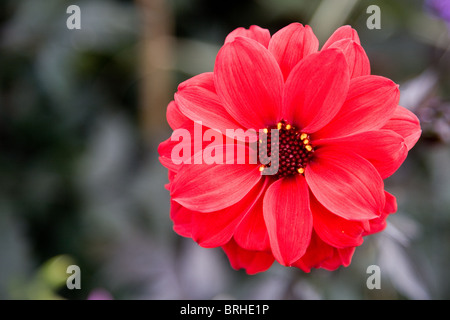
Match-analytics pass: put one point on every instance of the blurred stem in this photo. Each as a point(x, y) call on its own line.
point(155, 64)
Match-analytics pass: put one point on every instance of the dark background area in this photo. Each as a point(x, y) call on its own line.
point(83, 111)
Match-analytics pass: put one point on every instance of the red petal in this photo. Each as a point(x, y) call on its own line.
point(254, 32)
point(316, 89)
point(406, 124)
point(175, 118)
point(370, 103)
point(322, 255)
point(385, 149)
point(334, 230)
point(291, 44)
point(317, 252)
point(252, 261)
point(183, 139)
point(251, 233)
point(165, 153)
point(182, 219)
point(288, 218)
point(344, 32)
point(204, 80)
point(197, 100)
point(214, 229)
point(249, 83)
point(207, 188)
point(391, 203)
point(357, 60)
point(378, 224)
point(171, 175)
point(340, 257)
point(346, 184)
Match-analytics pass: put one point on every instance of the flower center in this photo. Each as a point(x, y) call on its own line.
point(289, 156)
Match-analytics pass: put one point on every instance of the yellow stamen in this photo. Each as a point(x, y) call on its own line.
point(306, 141)
point(279, 125)
point(288, 127)
point(301, 170)
point(265, 130)
point(308, 147)
point(261, 168)
point(303, 136)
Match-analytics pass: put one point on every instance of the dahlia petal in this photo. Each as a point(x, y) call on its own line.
point(406, 124)
point(322, 255)
point(315, 89)
point(346, 184)
point(291, 44)
point(212, 187)
point(344, 32)
point(252, 261)
point(357, 60)
point(288, 218)
point(391, 203)
point(334, 230)
point(174, 117)
point(198, 101)
point(370, 103)
point(171, 175)
point(182, 145)
point(379, 224)
point(317, 252)
point(204, 80)
point(254, 32)
point(182, 219)
point(384, 149)
point(214, 229)
point(249, 82)
point(251, 233)
point(165, 153)
point(340, 257)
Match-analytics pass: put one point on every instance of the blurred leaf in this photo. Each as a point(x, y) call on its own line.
point(400, 269)
point(54, 272)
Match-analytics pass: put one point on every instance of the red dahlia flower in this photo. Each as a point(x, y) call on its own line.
point(339, 131)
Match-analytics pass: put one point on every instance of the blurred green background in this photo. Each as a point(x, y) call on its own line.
point(83, 111)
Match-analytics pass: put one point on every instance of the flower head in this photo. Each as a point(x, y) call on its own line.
point(327, 133)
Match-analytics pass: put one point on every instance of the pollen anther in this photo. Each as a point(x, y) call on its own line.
point(286, 155)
